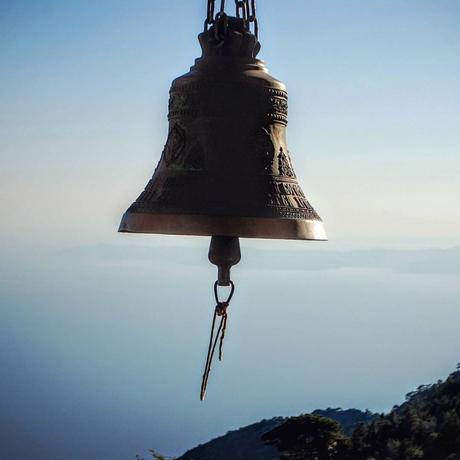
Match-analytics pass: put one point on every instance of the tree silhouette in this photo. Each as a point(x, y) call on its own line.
point(308, 437)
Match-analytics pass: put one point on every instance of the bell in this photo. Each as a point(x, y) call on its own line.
point(226, 169)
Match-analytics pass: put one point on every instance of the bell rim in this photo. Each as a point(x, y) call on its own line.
point(205, 225)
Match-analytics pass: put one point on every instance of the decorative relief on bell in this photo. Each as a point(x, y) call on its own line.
point(151, 193)
point(289, 201)
point(279, 106)
point(174, 144)
point(180, 152)
point(169, 193)
point(189, 100)
point(181, 103)
point(284, 164)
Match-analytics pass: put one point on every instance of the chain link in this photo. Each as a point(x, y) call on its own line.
point(245, 9)
point(210, 15)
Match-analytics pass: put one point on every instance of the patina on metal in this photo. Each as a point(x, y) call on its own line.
point(226, 170)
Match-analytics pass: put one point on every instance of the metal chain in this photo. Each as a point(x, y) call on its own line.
point(245, 9)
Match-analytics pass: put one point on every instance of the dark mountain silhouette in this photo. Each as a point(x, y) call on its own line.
point(246, 443)
point(242, 444)
point(426, 426)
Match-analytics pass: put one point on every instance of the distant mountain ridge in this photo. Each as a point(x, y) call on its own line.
point(416, 261)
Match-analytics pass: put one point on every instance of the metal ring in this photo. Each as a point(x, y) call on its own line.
point(216, 294)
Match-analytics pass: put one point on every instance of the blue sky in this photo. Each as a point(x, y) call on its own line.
point(99, 343)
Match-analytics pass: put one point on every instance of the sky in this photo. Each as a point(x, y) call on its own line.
point(103, 335)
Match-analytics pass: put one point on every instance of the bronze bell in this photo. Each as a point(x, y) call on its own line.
point(226, 171)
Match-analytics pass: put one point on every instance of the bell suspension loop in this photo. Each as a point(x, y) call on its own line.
point(224, 252)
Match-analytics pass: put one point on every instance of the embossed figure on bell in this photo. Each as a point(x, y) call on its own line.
point(226, 168)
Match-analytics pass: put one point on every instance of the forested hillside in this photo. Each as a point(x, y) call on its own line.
point(246, 443)
point(426, 426)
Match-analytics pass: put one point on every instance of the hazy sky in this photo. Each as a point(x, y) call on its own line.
point(101, 345)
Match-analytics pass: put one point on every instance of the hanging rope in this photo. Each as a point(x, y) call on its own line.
point(221, 311)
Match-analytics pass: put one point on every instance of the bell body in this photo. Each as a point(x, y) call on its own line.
point(226, 168)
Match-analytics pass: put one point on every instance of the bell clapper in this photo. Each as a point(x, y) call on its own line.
point(224, 251)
